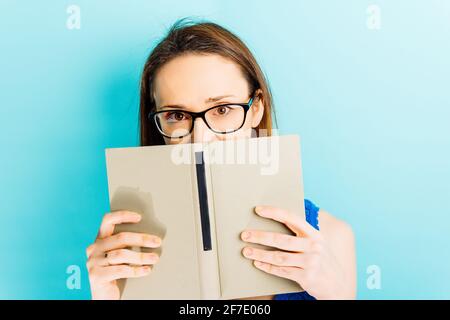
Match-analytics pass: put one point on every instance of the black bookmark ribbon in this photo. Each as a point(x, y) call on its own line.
point(203, 201)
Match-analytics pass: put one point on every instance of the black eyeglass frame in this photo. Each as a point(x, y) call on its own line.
point(195, 115)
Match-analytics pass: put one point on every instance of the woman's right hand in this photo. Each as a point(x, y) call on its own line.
point(109, 258)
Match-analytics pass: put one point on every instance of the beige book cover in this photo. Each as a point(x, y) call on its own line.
point(199, 198)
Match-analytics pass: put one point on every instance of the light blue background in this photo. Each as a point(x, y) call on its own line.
point(372, 108)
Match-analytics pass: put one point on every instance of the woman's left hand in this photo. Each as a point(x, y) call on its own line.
point(304, 258)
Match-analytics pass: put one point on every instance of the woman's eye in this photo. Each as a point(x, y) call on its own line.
point(175, 116)
point(223, 110)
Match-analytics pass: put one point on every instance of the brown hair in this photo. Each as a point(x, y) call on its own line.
point(202, 38)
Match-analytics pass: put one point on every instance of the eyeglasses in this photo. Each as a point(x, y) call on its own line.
point(222, 119)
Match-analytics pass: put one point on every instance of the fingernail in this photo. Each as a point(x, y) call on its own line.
point(155, 257)
point(157, 241)
point(258, 263)
point(259, 209)
point(147, 269)
point(248, 252)
point(245, 235)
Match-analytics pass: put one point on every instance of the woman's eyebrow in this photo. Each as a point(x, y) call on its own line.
point(209, 100)
point(214, 99)
point(172, 106)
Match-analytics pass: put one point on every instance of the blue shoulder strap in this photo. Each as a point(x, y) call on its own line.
point(312, 213)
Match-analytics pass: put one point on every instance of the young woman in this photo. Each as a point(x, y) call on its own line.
point(203, 81)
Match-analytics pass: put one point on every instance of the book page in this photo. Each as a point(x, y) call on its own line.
point(273, 179)
point(146, 180)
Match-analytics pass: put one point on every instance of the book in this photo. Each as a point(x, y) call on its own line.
point(198, 198)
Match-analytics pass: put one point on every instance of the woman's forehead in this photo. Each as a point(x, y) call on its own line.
point(193, 79)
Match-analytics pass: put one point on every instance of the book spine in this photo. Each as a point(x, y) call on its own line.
point(206, 235)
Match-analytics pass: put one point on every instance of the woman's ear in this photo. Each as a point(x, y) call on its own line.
point(257, 109)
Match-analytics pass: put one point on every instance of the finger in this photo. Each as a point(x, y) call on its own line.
point(125, 256)
point(89, 250)
point(294, 222)
point(276, 240)
point(116, 217)
point(127, 239)
point(279, 258)
point(96, 261)
point(291, 273)
point(111, 273)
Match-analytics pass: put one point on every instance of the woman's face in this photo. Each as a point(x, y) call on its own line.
point(194, 82)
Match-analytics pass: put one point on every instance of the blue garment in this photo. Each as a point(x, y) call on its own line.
point(312, 214)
